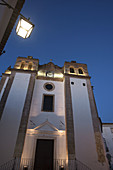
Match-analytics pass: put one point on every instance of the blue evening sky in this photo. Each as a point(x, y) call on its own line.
point(65, 30)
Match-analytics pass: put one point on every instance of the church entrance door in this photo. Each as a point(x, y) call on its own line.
point(44, 154)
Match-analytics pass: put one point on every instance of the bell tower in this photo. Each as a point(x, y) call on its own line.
point(84, 139)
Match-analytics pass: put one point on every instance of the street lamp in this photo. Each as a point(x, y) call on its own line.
point(24, 26)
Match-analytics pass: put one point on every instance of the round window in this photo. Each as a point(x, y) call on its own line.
point(49, 86)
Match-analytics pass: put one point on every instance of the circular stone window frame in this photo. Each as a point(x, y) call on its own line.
point(49, 83)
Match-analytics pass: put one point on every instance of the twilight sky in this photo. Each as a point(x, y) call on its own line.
point(65, 30)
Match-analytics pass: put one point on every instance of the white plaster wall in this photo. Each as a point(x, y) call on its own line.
point(85, 147)
point(10, 121)
point(4, 86)
point(108, 135)
point(37, 116)
point(29, 147)
point(61, 147)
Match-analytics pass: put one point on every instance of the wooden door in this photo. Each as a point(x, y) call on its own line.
point(44, 154)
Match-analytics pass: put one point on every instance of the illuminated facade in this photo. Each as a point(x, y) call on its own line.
point(49, 118)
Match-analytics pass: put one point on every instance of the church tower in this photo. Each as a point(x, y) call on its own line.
point(48, 118)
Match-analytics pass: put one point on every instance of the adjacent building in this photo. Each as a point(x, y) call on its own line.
point(108, 140)
point(48, 118)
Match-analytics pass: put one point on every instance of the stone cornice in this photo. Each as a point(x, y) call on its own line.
point(30, 59)
point(107, 124)
point(77, 76)
point(49, 65)
point(74, 63)
point(23, 71)
point(50, 78)
point(4, 74)
point(24, 119)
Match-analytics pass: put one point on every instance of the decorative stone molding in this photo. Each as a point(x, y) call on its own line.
point(24, 120)
point(77, 76)
point(23, 71)
point(49, 83)
point(50, 78)
point(51, 67)
point(2, 82)
point(26, 61)
point(96, 124)
point(69, 120)
point(76, 66)
point(6, 93)
point(99, 147)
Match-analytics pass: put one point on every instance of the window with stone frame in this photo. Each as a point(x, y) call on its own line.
point(80, 71)
point(22, 65)
point(72, 70)
point(111, 130)
point(48, 103)
point(30, 66)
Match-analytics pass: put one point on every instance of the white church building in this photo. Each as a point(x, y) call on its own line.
point(49, 119)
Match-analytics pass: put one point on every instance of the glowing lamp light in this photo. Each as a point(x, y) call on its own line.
point(24, 27)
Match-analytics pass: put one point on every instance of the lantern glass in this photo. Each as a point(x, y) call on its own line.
point(24, 28)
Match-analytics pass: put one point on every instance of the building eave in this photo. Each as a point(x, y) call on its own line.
point(11, 23)
point(107, 124)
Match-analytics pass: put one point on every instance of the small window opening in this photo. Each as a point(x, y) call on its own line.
point(80, 71)
point(49, 86)
point(72, 83)
point(84, 84)
point(30, 66)
point(48, 103)
point(71, 70)
point(22, 65)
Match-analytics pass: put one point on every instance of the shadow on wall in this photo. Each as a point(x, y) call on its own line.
point(56, 121)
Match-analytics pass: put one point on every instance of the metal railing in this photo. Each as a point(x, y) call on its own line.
point(8, 165)
point(77, 165)
point(58, 164)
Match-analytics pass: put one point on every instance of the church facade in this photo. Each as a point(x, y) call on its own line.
point(48, 118)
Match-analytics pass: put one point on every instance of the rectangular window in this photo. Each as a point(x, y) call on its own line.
point(48, 103)
point(111, 130)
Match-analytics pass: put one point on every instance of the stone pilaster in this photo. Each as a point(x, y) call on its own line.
point(24, 120)
point(3, 79)
point(96, 125)
point(69, 120)
point(6, 91)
